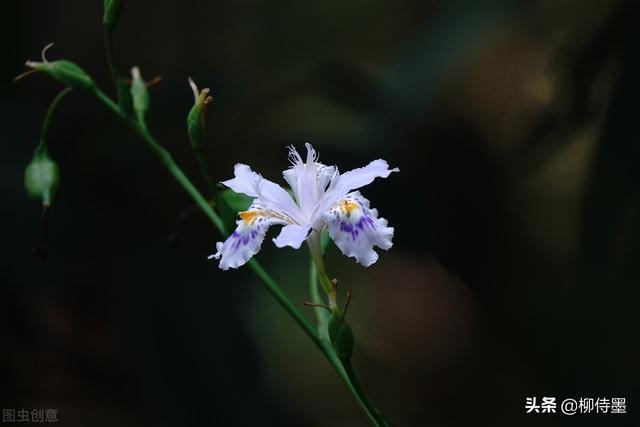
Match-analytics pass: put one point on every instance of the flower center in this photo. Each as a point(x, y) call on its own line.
point(248, 216)
point(347, 206)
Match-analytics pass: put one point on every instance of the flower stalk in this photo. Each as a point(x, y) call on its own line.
point(323, 344)
point(42, 174)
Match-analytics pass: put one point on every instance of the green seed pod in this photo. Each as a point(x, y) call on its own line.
point(41, 178)
point(195, 118)
point(341, 337)
point(111, 13)
point(66, 72)
point(139, 94)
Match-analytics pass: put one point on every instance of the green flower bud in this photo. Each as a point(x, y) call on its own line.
point(66, 72)
point(41, 178)
point(111, 13)
point(139, 94)
point(195, 119)
point(341, 337)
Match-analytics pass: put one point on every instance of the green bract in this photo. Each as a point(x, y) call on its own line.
point(139, 94)
point(195, 119)
point(341, 337)
point(195, 127)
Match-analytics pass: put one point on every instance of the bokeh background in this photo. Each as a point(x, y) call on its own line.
point(515, 270)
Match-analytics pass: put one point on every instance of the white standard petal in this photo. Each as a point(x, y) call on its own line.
point(302, 177)
point(309, 181)
point(246, 239)
point(360, 177)
point(356, 229)
point(292, 235)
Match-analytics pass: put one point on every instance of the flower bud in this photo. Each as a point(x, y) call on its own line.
point(111, 13)
point(139, 94)
point(195, 119)
point(41, 178)
point(341, 337)
point(66, 72)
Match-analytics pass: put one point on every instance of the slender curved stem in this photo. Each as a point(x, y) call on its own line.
point(356, 384)
point(205, 172)
point(166, 159)
point(47, 118)
point(317, 336)
point(108, 49)
point(323, 344)
point(321, 314)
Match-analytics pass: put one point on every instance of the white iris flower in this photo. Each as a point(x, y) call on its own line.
point(323, 197)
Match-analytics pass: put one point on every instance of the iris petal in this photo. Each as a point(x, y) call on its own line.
point(267, 192)
point(356, 228)
point(322, 197)
point(247, 238)
point(292, 235)
point(360, 177)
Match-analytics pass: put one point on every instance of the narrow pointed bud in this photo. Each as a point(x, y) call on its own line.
point(341, 336)
point(111, 13)
point(41, 178)
point(139, 94)
point(196, 117)
point(66, 72)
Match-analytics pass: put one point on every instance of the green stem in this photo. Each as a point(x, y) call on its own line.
point(324, 345)
point(370, 407)
point(166, 159)
point(315, 248)
point(108, 49)
point(206, 172)
point(47, 118)
point(321, 313)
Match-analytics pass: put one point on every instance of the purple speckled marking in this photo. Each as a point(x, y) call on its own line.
point(354, 229)
point(238, 240)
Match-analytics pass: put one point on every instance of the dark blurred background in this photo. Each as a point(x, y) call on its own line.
point(514, 271)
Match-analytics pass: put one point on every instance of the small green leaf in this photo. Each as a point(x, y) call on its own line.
point(229, 203)
point(237, 202)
